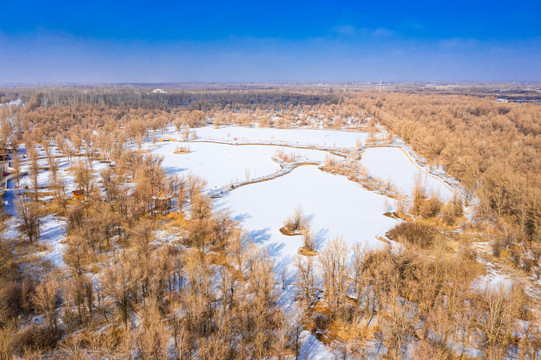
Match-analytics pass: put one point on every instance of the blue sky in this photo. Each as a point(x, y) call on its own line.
point(240, 41)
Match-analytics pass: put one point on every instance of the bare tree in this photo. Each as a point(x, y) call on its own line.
point(296, 222)
point(34, 171)
point(333, 260)
point(119, 281)
point(45, 299)
point(16, 163)
point(305, 278)
point(83, 176)
point(397, 326)
point(30, 213)
point(236, 248)
point(498, 311)
point(153, 334)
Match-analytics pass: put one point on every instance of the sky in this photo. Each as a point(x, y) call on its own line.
point(44, 42)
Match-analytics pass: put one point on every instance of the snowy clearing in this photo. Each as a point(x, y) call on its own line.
point(313, 348)
point(53, 231)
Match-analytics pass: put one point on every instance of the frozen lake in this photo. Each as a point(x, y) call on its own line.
point(335, 206)
point(392, 163)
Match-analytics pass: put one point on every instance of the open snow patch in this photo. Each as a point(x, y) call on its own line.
point(53, 231)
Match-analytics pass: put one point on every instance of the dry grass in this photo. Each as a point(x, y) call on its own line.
point(307, 252)
point(397, 215)
point(182, 150)
point(355, 172)
point(346, 332)
point(286, 232)
point(176, 220)
point(415, 233)
point(288, 158)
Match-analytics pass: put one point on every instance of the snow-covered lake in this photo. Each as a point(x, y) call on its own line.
point(392, 163)
point(301, 137)
point(335, 205)
point(222, 164)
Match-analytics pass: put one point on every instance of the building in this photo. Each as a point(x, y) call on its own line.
point(78, 194)
point(4, 160)
point(162, 203)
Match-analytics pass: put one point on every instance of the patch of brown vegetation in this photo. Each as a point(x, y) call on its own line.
point(307, 252)
point(182, 150)
point(415, 233)
point(284, 230)
point(356, 172)
point(398, 215)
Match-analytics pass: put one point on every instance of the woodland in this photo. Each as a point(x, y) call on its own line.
point(209, 292)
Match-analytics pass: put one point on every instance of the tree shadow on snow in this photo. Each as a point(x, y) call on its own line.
point(242, 217)
point(321, 236)
point(275, 248)
point(309, 218)
point(260, 236)
point(174, 169)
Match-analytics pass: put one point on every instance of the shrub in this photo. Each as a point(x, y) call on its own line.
point(10, 300)
point(296, 222)
point(34, 337)
point(430, 208)
point(321, 321)
point(309, 241)
point(416, 233)
point(448, 214)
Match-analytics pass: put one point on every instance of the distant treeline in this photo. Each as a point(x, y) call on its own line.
point(195, 99)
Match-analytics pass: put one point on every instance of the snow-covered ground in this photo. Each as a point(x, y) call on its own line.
point(335, 206)
point(393, 163)
point(221, 165)
point(63, 164)
point(12, 103)
point(313, 349)
point(53, 232)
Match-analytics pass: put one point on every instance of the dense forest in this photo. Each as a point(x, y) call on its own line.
point(210, 292)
